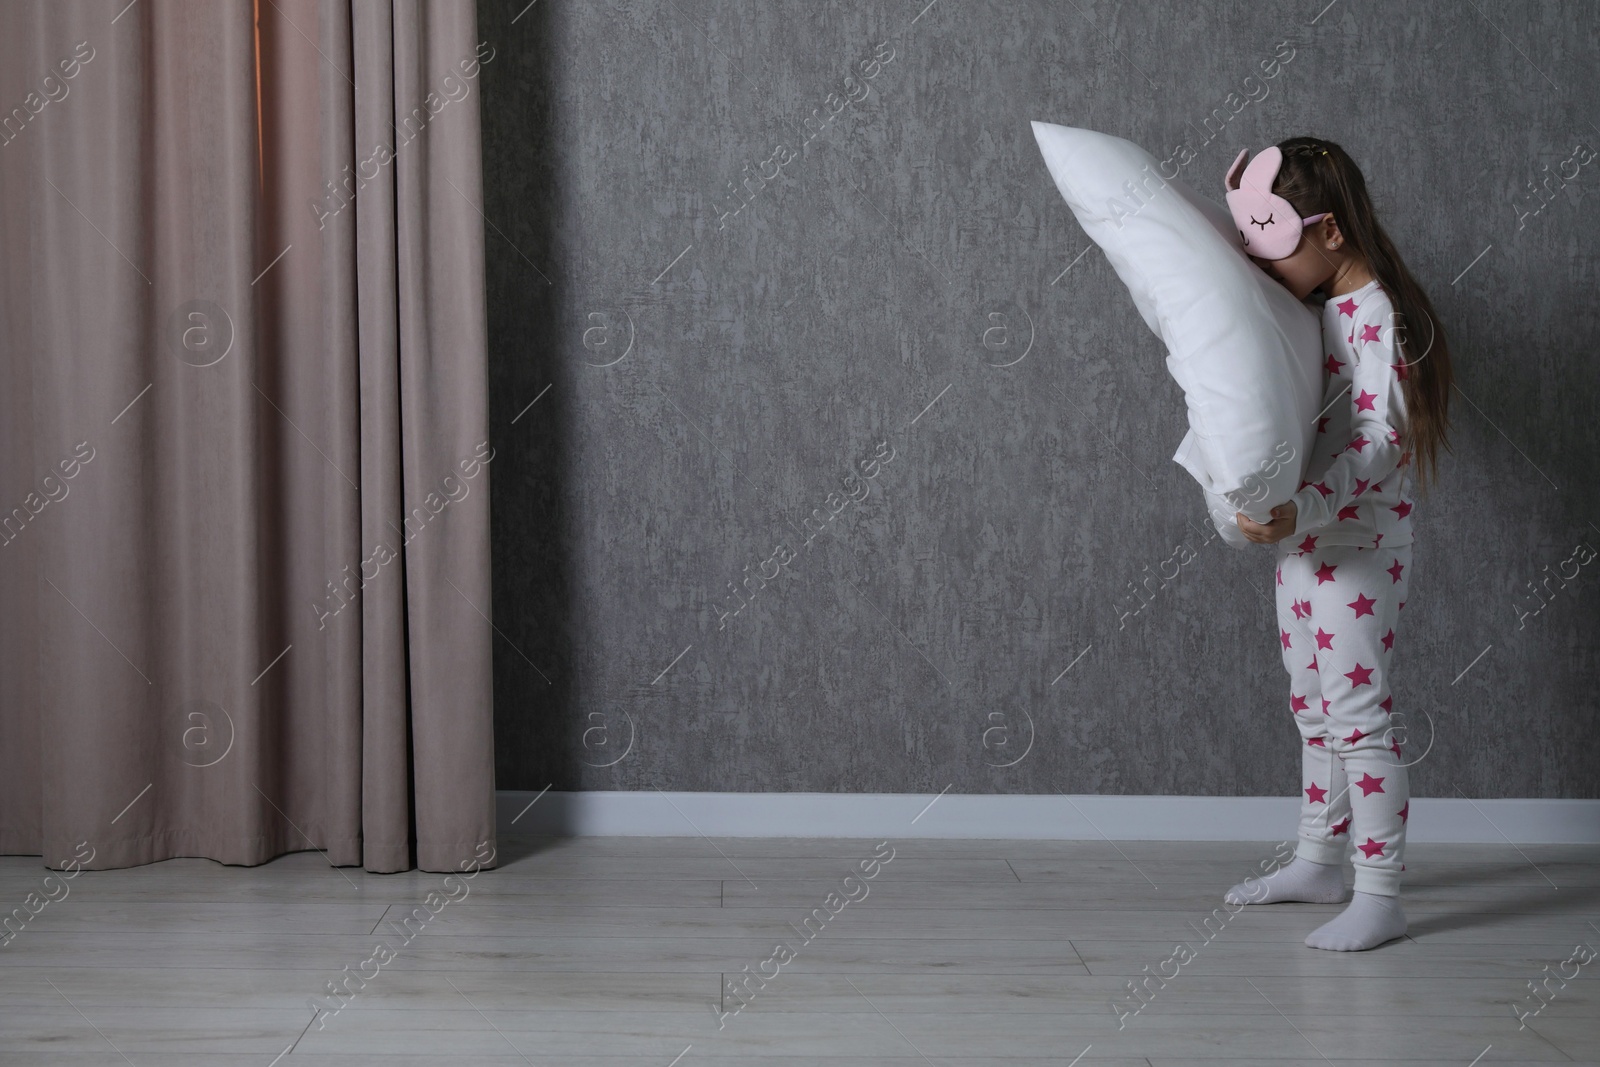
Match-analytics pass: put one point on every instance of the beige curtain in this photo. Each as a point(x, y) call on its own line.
point(244, 470)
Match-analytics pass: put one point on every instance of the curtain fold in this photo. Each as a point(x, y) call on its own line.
point(244, 460)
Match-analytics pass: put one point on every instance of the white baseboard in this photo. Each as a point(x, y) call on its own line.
point(1014, 816)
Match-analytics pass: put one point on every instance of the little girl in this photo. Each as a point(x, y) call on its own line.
point(1344, 539)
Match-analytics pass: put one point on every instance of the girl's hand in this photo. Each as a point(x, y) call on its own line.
point(1284, 517)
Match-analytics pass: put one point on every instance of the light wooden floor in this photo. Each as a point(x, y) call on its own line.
point(611, 953)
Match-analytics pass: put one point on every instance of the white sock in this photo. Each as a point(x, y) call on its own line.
point(1368, 922)
point(1299, 880)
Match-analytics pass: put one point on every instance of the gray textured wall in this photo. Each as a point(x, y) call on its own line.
point(909, 261)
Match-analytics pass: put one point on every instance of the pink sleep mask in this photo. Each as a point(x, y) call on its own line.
point(1268, 223)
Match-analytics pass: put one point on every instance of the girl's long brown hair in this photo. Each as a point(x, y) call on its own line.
point(1318, 175)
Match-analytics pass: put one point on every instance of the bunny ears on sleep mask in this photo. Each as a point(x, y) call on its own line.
point(1268, 223)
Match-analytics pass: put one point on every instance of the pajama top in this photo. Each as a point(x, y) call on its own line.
point(1356, 480)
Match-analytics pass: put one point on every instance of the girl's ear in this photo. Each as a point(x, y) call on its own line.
point(1331, 237)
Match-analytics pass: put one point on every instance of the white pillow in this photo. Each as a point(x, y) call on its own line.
point(1245, 352)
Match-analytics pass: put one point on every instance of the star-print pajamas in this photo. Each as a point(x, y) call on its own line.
point(1341, 582)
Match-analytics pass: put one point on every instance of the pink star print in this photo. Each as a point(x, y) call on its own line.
point(1280, 575)
point(1387, 703)
point(1365, 401)
point(1316, 793)
point(1333, 365)
point(1395, 570)
point(1388, 640)
point(1372, 848)
point(1317, 741)
point(1324, 705)
point(1370, 785)
point(1369, 333)
point(1312, 666)
point(1359, 443)
point(1324, 639)
point(1347, 308)
point(1405, 811)
point(1297, 703)
point(1341, 827)
point(1360, 676)
point(1402, 509)
point(1361, 487)
point(1284, 636)
point(1363, 605)
point(1325, 572)
point(1355, 735)
point(1349, 511)
point(1322, 424)
point(1308, 545)
point(1322, 488)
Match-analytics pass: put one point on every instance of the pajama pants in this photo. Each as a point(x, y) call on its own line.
point(1338, 607)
